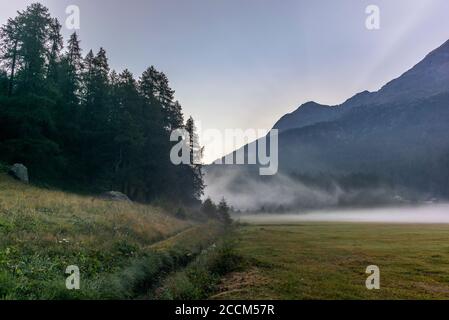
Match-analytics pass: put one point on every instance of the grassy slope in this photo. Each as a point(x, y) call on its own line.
point(328, 261)
point(43, 231)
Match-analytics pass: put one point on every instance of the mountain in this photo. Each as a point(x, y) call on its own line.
point(427, 78)
point(306, 115)
point(375, 147)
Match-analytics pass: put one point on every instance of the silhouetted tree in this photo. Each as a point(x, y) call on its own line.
point(209, 208)
point(56, 44)
point(223, 212)
point(72, 66)
point(34, 49)
point(196, 154)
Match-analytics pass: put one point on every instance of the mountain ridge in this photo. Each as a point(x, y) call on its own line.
point(403, 87)
point(396, 138)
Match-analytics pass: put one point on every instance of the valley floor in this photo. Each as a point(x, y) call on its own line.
point(133, 251)
point(329, 260)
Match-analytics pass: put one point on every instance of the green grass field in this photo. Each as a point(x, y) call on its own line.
point(128, 251)
point(122, 249)
point(328, 261)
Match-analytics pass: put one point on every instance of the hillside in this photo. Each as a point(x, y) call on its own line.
point(42, 232)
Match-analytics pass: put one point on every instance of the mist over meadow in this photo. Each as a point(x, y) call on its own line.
point(431, 214)
point(282, 193)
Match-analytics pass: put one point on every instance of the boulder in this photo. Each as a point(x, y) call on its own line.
point(20, 172)
point(115, 196)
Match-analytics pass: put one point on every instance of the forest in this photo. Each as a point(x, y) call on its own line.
point(78, 125)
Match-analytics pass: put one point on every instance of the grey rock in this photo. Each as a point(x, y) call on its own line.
point(115, 196)
point(20, 172)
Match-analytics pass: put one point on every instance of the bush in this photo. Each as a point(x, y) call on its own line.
point(225, 261)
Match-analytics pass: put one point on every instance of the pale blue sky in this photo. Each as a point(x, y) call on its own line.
point(245, 63)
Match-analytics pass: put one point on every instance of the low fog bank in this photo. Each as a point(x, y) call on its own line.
point(246, 191)
point(433, 214)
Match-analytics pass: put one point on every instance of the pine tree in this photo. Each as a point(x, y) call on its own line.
point(96, 132)
point(165, 94)
point(96, 87)
point(223, 211)
point(28, 120)
point(9, 49)
point(56, 44)
point(176, 117)
point(34, 34)
point(148, 84)
point(154, 86)
point(209, 208)
point(73, 66)
point(196, 154)
point(160, 175)
point(101, 66)
point(172, 116)
point(129, 139)
point(74, 56)
point(194, 147)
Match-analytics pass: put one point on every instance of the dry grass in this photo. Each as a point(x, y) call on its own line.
point(240, 282)
point(44, 231)
point(190, 238)
point(48, 216)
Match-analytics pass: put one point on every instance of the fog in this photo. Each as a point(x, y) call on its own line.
point(420, 214)
point(246, 191)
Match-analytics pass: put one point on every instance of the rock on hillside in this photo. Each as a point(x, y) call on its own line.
point(20, 172)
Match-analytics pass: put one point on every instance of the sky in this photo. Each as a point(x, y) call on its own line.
point(243, 64)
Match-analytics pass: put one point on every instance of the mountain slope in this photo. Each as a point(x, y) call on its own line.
point(429, 77)
point(396, 136)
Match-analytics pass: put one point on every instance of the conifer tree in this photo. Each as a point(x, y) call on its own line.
point(56, 43)
point(148, 84)
point(34, 35)
point(223, 211)
point(196, 154)
point(9, 49)
point(73, 66)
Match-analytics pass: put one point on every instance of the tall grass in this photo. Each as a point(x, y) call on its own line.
point(44, 231)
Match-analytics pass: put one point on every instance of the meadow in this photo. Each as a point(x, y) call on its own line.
point(328, 261)
point(123, 250)
point(134, 251)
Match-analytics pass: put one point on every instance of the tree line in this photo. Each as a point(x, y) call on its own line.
point(75, 123)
